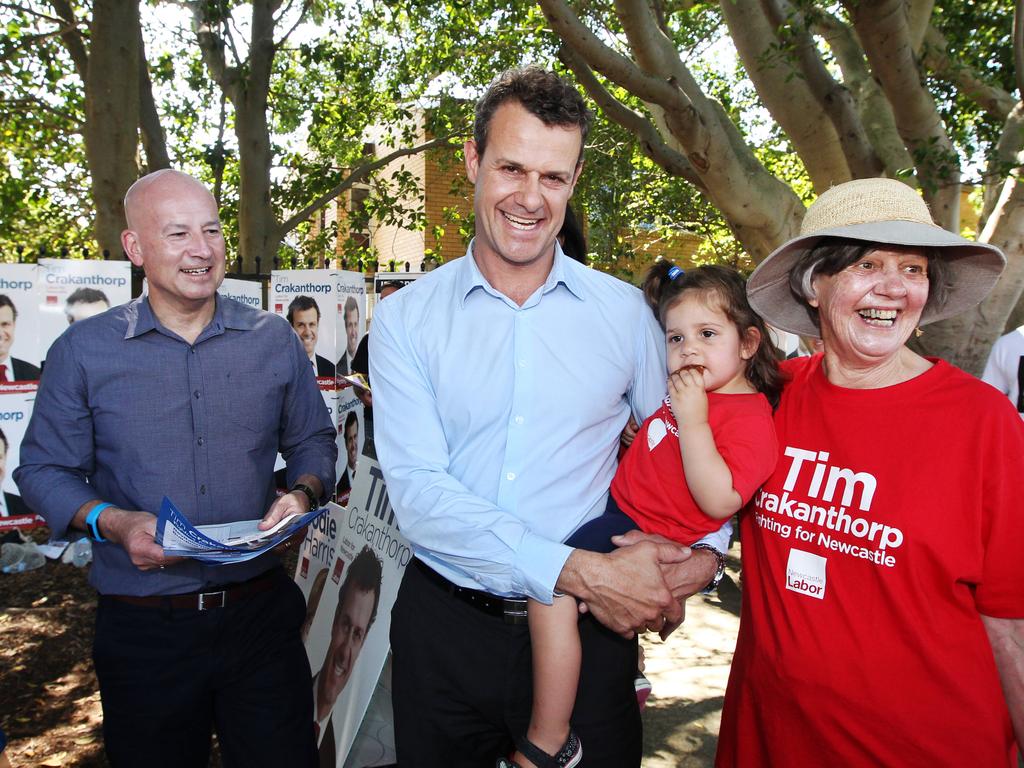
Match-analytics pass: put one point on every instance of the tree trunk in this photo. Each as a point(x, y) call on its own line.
point(112, 115)
point(258, 230)
point(967, 338)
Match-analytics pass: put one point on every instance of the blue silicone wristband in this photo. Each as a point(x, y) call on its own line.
point(92, 517)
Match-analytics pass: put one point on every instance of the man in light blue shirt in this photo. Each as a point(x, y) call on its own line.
point(501, 383)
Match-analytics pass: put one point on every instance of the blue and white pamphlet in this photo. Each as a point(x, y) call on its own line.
point(222, 543)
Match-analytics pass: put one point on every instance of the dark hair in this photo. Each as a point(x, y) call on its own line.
point(831, 255)
point(5, 301)
point(365, 574)
point(350, 304)
point(574, 244)
point(87, 296)
point(664, 287)
point(390, 284)
point(301, 304)
point(351, 419)
point(546, 96)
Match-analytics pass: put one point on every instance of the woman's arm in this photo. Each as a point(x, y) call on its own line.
point(1007, 639)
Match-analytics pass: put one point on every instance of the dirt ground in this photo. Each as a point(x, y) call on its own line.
point(50, 706)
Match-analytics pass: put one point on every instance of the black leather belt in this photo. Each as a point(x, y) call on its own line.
point(228, 594)
point(511, 610)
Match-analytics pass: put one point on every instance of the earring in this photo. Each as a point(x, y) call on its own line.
point(918, 333)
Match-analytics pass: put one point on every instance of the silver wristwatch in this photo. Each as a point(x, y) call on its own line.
point(719, 571)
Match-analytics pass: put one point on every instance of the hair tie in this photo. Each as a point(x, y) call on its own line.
point(674, 273)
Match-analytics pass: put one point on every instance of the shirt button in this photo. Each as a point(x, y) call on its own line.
point(520, 419)
point(202, 489)
point(196, 393)
point(200, 441)
point(522, 363)
point(510, 476)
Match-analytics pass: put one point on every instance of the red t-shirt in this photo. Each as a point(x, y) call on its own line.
point(893, 519)
point(650, 485)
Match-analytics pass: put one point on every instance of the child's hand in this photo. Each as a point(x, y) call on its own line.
point(629, 432)
point(688, 397)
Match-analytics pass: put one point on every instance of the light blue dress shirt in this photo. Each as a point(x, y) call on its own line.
point(497, 425)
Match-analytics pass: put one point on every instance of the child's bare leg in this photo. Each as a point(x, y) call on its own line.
point(556, 672)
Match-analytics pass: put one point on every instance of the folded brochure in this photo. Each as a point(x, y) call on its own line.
point(223, 542)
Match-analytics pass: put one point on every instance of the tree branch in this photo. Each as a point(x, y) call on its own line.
point(875, 111)
point(882, 29)
point(153, 140)
point(72, 37)
point(651, 143)
point(608, 62)
point(935, 57)
point(356, 176)
point(835, 100)
point(211, 46)
point(1018, 46)
point(919, 14)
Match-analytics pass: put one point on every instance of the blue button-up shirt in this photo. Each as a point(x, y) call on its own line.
point(128, 412)
point(497, 425)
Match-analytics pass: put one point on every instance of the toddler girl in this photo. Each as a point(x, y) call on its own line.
point(692, 465)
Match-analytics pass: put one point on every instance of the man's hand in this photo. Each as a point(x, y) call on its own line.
point(684, 576)
point(688, 397)
point(135, 532)
point(625, 590)
point(292, 503)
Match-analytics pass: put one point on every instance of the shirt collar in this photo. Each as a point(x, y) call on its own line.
point(226, 314)
point(562, 273)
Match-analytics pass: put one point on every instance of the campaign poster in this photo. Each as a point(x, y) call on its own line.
point(348, 640)
point(374, 744)
point(248, 292)
point(351, 424)
point(74, 289)
point(20, 350)
point(306, 298)
point(351, 318)
point(16, 399)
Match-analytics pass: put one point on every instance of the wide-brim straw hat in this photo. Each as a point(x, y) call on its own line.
point(883, 211)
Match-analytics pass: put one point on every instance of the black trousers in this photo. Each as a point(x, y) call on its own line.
point(170, 677)
point(462, 685)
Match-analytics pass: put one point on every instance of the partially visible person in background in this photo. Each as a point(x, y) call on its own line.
point(571, 238)
point(85, 302)
point(1005, 367)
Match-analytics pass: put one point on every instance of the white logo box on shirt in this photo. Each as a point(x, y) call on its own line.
point(805, 573)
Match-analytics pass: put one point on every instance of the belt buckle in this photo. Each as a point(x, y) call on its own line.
point(514, 611)
point(216, 600)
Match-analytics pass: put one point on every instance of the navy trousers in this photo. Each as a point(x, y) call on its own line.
point(171, 677)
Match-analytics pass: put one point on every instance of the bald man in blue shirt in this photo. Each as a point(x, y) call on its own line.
point(187, 394)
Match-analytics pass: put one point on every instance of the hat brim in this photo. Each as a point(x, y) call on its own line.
point(974, 269)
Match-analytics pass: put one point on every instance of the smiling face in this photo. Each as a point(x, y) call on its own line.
point(7, 325)
point(348, 633)
point(175, 235)
point(352, 331)
point(869, 309)
point(698, 332)
point(523, 182)
point(305, 322)
point(352, 443)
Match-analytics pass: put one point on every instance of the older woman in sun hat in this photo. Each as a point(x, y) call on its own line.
point(884, 560)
